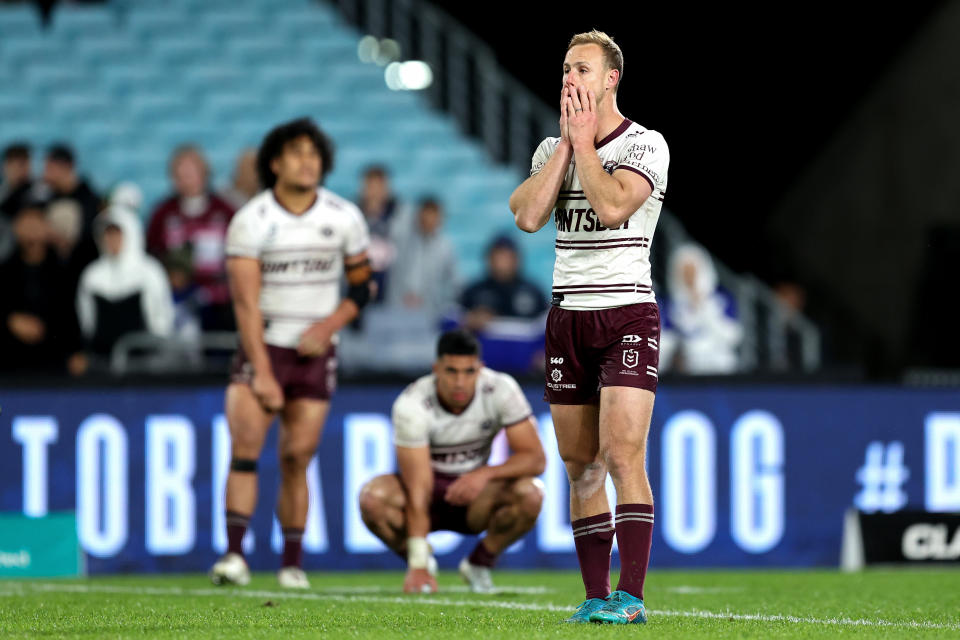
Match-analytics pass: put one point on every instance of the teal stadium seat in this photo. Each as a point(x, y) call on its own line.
point(153, 20)
point(71, 21)
point(19, 19)
point(126, 81)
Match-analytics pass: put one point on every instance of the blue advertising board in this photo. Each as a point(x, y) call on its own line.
point(743, 476)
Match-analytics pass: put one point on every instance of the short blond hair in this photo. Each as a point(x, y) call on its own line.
point(612, 56)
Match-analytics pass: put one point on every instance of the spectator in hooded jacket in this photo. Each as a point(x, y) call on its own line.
point(701, 332)
point(125, 290)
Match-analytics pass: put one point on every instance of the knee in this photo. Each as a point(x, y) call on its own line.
point(586, 478)
point(624, 460)
point(529, 497)
point(374, 501)
point(245, 445)
point(295, 460)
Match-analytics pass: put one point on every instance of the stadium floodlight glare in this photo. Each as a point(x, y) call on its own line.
point(388, 51)
point(415, 75)
point(368, 49)
point(412, 75)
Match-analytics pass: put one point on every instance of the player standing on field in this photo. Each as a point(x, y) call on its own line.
point(604, 180)
point(287, 250)
point(444, 425)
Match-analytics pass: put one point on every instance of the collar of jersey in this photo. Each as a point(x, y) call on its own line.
point(616, 133)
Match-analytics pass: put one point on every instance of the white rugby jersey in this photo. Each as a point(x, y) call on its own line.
point(301, 258)
point(597, 267)
point(458, 443)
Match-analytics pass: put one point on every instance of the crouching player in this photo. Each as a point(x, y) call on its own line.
point(444, 425)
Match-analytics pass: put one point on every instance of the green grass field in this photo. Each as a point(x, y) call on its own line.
point(681, 604)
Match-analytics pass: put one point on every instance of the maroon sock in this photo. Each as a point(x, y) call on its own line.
point(237, 524)
point(292, 547)
point(593, 538)
point(481, 556)
point(634, 535)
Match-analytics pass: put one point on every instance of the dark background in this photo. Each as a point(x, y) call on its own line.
point(744, 97)
point(750, 100)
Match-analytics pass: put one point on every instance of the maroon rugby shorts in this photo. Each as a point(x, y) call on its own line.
point(298, 376)
point(588, 350)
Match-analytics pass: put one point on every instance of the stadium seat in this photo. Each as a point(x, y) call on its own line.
point(106, 50)
point(148, 108)
point(18, 19)
point(151, 21)
point(255, 52)
point(71, 21)
point(180, 50)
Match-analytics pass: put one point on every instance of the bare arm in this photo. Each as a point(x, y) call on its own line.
point(417, 479)
point(536, 196)
point(244, 278)
point(615, 197)
point(526, 459)
point(316, 340)
point(417, 476)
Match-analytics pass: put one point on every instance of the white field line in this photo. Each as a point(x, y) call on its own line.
point(686, 590)
point(22, 589)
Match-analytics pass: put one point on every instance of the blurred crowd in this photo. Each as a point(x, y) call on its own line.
point(79, 272)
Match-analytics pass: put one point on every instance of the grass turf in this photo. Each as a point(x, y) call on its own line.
point(681, 604)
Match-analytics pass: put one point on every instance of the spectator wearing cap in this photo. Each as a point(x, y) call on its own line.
point(503, 292)
point(38, 326)
point(125, 290)
point(424, 276)
point(195, 219)
point(64, 183)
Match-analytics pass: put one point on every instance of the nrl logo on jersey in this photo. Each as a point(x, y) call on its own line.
point(631, 358)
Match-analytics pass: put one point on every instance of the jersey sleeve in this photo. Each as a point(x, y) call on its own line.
point(648, 156)
point(409, 424)
point(244, 239)
point(541, 155)
point(358, 235)
point(512, 406)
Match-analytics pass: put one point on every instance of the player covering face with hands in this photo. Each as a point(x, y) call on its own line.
point(603, 181)
point(444, 426)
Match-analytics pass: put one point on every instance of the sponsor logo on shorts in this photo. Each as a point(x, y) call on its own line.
point(556, 360)
point(557, 387)
point(631, 358)
point(556, 375)
point(631, 339)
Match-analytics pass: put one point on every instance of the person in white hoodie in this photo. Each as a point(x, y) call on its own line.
point(125, 290)
point(700, 330)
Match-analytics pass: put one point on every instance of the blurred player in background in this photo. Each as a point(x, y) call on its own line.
point(605, 177)
point(287, 249)
point(444, 425)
